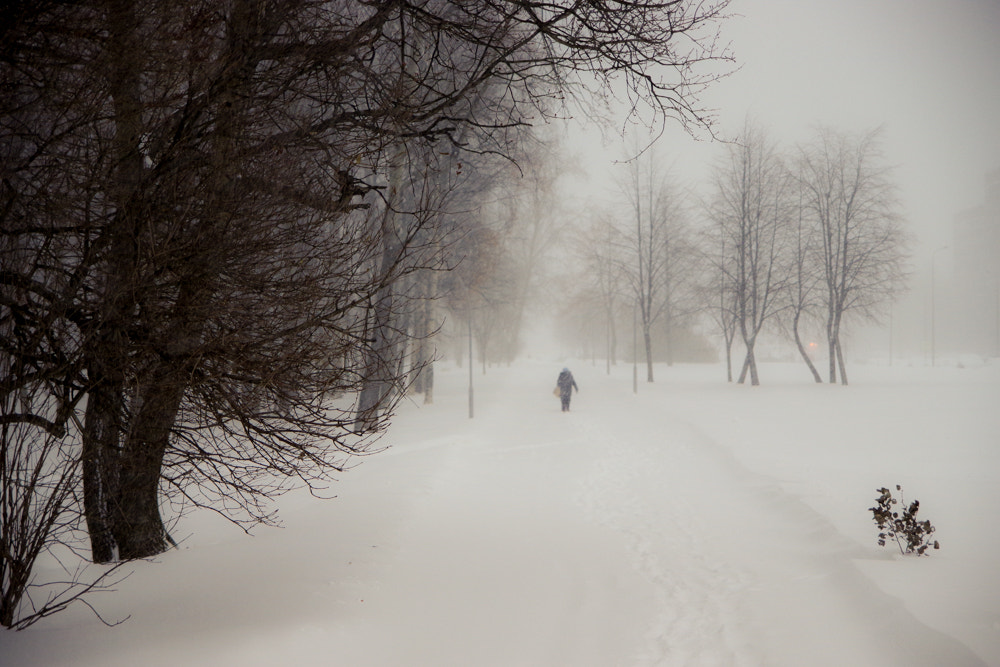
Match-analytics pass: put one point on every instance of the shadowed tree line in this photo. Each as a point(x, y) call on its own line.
point(805, 240)
point(221, 222)
point(815, 234)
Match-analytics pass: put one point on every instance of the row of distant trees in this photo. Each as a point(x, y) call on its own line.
point(808, 239)
point(636, 265)
point(816, 234)
point(522, 217)
point(224, 224)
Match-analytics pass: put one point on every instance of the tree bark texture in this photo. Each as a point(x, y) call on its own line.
point(802, 349)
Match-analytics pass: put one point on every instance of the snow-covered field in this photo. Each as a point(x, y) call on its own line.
point(696, 523)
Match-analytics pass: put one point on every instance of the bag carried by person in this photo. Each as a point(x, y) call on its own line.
point(556, 391)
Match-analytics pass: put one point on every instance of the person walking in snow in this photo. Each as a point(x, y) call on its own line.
point(566, 385)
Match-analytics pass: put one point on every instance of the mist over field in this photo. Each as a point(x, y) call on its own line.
point(691, 523)
point(499, 333)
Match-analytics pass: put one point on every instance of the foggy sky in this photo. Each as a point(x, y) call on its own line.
point(926, 70)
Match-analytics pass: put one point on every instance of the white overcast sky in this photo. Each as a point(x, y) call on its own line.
point(928, 70)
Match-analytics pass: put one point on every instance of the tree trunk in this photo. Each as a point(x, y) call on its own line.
point(749, 360)
point(138, 526)
point(429, 383)
point(649, 353)
point(108, 358)
point(831, 344)
point(420, 342)
point(607, 343)
point(729, 359)
point(614, 341)
point(744, 369)
point(136, 521)
point(417, 383)
point(375, 389)
point(752, 363)
point(802, 350)
point(100, 452)
point(840, 362)
point(430, 320)
point(378, 369)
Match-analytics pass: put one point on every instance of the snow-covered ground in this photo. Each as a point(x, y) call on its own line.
point(696, 523)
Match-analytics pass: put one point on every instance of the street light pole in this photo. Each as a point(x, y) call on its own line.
point(470, 366)
point(933, 292)
point(890, 331)
point(635, 353)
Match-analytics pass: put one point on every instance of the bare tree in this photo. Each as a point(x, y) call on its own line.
point(681, 264)
point(39, 519)
point(713, 291)
point(860, 242)
point(724, 309)
point(650, 241)
point(751, 211)
point(183, 230)
point(600, 277)
point(804, 283)
point(532, 224)
point(190, 176)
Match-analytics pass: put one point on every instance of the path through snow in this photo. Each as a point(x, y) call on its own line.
point(622, 533)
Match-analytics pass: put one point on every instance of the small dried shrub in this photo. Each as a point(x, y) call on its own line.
point(902, 526)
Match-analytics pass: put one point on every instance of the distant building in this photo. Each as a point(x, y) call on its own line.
point(976, 255)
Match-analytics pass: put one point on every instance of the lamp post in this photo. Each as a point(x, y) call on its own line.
point(635, 353)
point(996, 320)
point(471, 403)
point(933, 291)
point(890, 329)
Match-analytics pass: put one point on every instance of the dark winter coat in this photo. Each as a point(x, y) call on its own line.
point(566, 383)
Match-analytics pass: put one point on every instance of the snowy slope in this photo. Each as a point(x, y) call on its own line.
point(696, 523)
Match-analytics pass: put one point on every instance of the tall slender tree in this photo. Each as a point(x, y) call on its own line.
point(804, 282)
point(189, 182)
point(861, 243)
point(600, 276)
point(650, 239)
point(752, 214)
